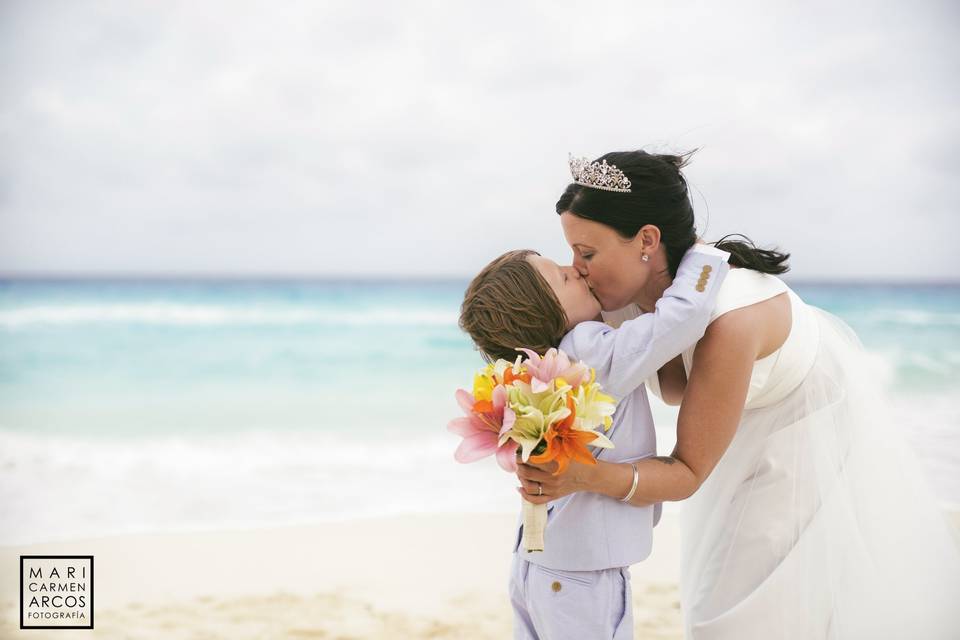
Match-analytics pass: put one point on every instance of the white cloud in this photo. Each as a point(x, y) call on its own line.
point(423, 139)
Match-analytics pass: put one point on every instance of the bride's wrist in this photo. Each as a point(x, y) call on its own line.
point(613, 479)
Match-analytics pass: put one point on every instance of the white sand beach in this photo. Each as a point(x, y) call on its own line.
point(399, 577)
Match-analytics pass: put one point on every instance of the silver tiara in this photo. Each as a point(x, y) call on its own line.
point(598, 175)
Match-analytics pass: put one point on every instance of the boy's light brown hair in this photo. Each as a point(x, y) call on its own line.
point(509, 304)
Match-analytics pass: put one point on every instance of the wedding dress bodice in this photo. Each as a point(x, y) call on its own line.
point(778, 373)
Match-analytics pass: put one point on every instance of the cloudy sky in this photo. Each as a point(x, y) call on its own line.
point(423, 139)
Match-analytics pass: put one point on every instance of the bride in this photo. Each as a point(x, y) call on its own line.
point(805, 514)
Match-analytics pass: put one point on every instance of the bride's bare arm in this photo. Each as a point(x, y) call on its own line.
point(712, 405)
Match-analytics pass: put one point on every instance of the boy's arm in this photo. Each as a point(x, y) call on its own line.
point(624, 357)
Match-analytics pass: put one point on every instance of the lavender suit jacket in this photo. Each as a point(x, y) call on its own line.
point(588, 531)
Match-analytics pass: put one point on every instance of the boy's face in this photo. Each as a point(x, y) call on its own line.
point(571, 290)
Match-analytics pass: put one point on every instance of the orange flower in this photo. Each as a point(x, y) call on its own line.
point(564, 443)
point(483, 406)
point(509, 376)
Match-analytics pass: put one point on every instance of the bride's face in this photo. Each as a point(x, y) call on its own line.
point(612, 266)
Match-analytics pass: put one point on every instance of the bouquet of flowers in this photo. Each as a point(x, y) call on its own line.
point(547, 406)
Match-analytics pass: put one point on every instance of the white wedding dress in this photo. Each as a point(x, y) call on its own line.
point(817, 521)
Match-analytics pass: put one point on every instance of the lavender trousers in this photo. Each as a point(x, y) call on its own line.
point(554, 604)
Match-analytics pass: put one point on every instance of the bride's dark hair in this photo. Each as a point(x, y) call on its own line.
point(658, 196)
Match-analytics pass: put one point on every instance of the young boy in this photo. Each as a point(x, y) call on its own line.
point(579, 586)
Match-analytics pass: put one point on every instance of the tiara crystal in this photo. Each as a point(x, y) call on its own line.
point(598, 175)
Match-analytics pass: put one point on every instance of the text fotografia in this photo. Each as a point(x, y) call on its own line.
point(56, 592)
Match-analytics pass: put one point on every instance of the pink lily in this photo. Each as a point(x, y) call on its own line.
point(482, 430)
point(553, 364)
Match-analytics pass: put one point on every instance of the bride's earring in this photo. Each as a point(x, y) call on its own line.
point(644, 257)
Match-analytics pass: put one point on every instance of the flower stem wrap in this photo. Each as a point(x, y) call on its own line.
point(534, 524)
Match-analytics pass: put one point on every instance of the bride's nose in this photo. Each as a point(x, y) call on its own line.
point(579, 264)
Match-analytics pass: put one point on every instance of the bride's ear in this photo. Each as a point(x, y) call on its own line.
point(649, 238)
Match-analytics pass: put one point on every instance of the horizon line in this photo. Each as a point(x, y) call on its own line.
point(374, 278)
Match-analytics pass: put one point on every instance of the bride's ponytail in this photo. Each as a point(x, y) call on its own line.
point(746, 254)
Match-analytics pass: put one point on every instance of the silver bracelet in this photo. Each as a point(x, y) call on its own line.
point(636, 479)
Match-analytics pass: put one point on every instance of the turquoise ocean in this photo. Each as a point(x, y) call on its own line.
point(162, 405)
